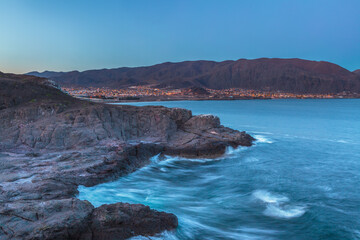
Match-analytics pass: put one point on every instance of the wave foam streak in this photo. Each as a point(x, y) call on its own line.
point(277, 205)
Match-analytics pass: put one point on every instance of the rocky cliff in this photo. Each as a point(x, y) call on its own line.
point(50, 143)
point(269, 74)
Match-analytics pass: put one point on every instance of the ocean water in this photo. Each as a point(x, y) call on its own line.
point(301, 179)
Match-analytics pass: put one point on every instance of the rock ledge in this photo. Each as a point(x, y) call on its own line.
point(51, 143)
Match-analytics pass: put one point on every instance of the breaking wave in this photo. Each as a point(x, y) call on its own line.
point(262, 139)
point(277, 205)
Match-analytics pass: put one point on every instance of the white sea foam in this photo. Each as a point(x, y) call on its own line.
point(125, 195)
point(268, 197)
point(155, 159)
point(320, 139)
point(274, 210)
point(168, 235)
point(169, 159)
point(262, 139)
point(257, 230)
point(277, 205)
point(233, 151)
point(166, 159)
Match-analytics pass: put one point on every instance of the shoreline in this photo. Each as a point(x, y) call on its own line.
point(59, 142)
point(110, 101)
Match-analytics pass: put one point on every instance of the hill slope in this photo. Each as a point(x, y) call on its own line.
point(288, 75)
point(45, 74)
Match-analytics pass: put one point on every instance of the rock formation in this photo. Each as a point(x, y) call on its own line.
point(50, 143)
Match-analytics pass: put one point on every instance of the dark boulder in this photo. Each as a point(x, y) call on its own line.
point(122, 220)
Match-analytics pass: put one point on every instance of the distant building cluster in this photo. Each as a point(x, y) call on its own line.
point(238, 92)
point(138, 92)
point(108, 93)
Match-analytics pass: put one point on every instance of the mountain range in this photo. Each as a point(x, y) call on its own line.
point(267, 74)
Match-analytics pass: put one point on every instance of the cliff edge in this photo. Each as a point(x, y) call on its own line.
point(50, 143)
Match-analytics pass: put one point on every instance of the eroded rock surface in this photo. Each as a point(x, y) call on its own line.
point(50, 143)
point(127, 220)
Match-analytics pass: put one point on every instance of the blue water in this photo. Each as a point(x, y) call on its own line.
point(301, 180)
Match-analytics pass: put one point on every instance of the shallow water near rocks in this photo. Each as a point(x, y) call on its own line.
point(299, 181)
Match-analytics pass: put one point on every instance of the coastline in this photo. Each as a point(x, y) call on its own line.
point(90, 165)
point(100, 100)
point(53, 144)
point(111, 101)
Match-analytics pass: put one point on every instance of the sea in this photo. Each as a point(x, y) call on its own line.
point(300, 180)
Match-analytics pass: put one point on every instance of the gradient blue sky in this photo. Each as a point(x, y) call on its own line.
point(78, 34)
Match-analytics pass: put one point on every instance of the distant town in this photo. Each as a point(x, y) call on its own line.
point(146, 93)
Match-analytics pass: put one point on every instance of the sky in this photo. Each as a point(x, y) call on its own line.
point(67, 35)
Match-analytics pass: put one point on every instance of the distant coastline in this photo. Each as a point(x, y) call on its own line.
point(111, 101)
point(162, 98)
point(149, 94)
point(100, 100)
point(264, 76)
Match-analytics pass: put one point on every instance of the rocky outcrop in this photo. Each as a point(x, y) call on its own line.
point(128, 220)
point(56, 219)
point(23, 89)
point(51, 145)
